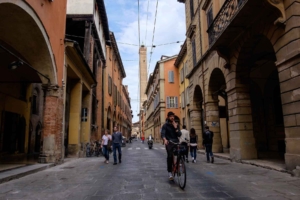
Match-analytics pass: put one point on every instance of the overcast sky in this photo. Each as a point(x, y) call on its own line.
point(123, 21)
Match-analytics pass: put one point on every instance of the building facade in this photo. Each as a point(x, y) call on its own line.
point(244, 72)
point(181, 64)
point(162, 96)
point(117, 108)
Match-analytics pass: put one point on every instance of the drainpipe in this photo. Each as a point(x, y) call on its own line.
point(64, 82)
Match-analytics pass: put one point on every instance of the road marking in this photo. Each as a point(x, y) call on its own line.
point(138, 148)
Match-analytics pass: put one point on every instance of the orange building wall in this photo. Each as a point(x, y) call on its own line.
point(172, 89)
point(53, 14)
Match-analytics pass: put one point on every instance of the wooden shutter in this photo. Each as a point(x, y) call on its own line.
point(176, 102)
point(168, 102)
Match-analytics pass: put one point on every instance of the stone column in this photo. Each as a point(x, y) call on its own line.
point(52, 125)
point(75, 118)
point(213, 121)
point(289, 72)
point(242, 141)
point(195, 117)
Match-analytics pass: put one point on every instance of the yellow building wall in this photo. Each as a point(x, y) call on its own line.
point(10, 103)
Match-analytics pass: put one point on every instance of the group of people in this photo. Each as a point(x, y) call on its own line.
point(114, 140)
point(171, 133)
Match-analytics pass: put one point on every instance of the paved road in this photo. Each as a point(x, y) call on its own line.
point(143, 175)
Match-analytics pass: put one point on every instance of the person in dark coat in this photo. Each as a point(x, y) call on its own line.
point(170, 132)
point(207, 143)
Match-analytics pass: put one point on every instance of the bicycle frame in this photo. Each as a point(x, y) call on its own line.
point(178, 167)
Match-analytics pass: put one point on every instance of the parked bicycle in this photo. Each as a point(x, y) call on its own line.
point(93, 149)
point(178, 168)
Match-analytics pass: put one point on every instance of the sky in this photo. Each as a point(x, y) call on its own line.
point(170, 28)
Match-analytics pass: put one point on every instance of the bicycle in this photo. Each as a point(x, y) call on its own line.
point(178, 167)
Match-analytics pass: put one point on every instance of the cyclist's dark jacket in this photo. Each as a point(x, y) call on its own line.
point(207, 137)
point(169, 132)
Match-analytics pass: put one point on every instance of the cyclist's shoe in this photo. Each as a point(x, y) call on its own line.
point(212, 159)
point(115, 163)
point(171, 176)
point(120, 161)
point(194, 161)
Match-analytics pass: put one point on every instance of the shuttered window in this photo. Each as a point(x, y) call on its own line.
point(109, 85)
point(171, 76)
point(182, 100)
point(194, 52)
point(209, 16)
point(172, 102)
point(192, 8)
point(181, 75)
point(187, 98)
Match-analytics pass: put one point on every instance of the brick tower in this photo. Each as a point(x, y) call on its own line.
point(143, 74)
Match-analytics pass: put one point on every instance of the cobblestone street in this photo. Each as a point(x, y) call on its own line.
point(143, 175)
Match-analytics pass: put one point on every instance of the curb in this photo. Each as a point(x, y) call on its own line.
point(17, 175)
point(248, 162)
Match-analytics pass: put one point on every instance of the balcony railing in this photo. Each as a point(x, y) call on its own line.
point(224, 18)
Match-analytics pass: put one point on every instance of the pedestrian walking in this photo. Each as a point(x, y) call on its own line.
point(170, 132)
point(184, 140)
point(143, 139)
point(117, 141)
point(207, 143)
point(105, 145)
point(193, 144)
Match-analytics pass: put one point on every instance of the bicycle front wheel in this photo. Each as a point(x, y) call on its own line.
point(181, 173)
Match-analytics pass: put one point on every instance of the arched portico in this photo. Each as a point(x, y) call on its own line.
point(257, 118)
point(23, 39)
point(216, 110)
point(196, 114)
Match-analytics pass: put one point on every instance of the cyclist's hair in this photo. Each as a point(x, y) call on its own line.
point(193, 132)
point(184, 126)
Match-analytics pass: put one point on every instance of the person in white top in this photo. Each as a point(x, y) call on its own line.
point(184, 139)
point(106, 138)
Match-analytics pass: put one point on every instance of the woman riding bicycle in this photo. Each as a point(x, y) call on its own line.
point(170, 132)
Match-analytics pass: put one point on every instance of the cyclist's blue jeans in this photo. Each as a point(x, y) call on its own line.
point(208, 149)
point(193, 150)
point(105, 152)
point(117, 146)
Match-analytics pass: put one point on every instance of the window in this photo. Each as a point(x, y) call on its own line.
point(172, 102)
point(192, 8)
point(109, 85)
point(182, 100)
point(181, 75)
point(209, 16)
point(115, 95)
point(171, 76)
point(194, 52)
point(187, 97)
point(156, 100)
point(186, 71)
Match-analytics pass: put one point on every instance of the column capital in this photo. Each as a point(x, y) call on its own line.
point(51, 90)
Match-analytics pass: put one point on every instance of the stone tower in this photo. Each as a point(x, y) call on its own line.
point(143, 74)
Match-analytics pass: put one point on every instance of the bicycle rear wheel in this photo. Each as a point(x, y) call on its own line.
point(181, 173)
